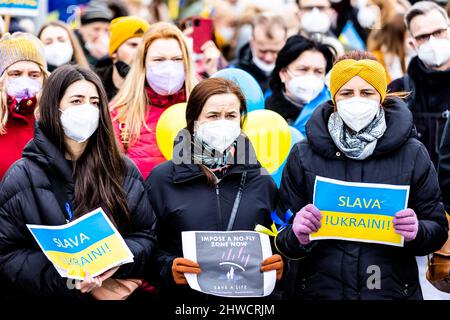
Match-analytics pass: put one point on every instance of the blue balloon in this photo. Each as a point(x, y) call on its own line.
point(251, 89)
point(277, 174)
point(296, 136)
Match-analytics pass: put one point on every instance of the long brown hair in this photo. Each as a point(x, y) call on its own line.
point(78, 53)
point(391, 36)
point(197, 100)
point(131, 101)
point(100, 171)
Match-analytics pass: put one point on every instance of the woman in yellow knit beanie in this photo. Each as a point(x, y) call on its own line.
point(362, 135)
point(23, 70)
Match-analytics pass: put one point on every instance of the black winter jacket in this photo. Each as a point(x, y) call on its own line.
point(26, 197)
point(429, 102)
point(277, 102)
point(104, 69)
point(444, 167)
point(183, 201)
point(336, 269)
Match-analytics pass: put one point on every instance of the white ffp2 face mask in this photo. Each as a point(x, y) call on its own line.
point(58, 53)
point(305, 88)
point(435, 52)
point(264, 66)
point(357, 113)
point(80, 122)
point(219, 134)
point(368, 16)
point(315, 21)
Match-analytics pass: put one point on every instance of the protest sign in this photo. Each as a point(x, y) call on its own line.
point(89, 244)
point(230, 262)
point(359, 211)
point(28, 8)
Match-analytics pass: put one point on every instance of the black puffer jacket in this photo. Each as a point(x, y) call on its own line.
point(334, 269)
point(26, 197)
point(183, 201)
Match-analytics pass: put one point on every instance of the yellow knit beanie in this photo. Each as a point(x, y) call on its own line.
point(370, 70)
point(20, 46)
point(124, 28)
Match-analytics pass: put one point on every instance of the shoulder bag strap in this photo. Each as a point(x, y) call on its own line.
point(237, 201)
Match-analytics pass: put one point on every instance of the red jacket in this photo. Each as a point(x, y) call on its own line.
point(145, 152)
point(19, 130)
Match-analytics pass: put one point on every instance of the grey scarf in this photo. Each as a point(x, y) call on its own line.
point(357, 145)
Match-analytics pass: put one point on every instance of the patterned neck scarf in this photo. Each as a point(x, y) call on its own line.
point(357, 145)
point(212, 158)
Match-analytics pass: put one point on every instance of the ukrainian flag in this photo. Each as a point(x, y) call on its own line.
point(350, 38)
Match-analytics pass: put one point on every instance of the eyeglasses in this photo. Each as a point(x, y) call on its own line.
point(440, 33)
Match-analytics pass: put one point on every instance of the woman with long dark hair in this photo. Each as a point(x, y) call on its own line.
point(73, 150)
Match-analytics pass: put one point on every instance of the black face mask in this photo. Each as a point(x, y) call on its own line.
point(122, 68)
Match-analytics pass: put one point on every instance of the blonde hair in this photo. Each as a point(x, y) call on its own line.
point(4, 113)
point(131, 101)
point(78, 53)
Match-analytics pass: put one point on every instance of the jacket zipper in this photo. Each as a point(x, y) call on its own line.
point(219, 209)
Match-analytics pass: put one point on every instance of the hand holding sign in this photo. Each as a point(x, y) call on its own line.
point(364, 212)
point(88, 284)
point(180, 266)
point(274, 262)
point(89, 245)
point(406, 224)
point(306, 221)
point(233, 263)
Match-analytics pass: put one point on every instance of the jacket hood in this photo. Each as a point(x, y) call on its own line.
point(399, 122)
point(184, 169)
point(45, 154)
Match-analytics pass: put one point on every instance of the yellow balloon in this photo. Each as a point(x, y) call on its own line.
point(270, 136)
point(169, 124)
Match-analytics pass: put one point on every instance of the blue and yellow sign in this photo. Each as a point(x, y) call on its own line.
point(359, 211)
point(89, 244)
point(19, 7)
